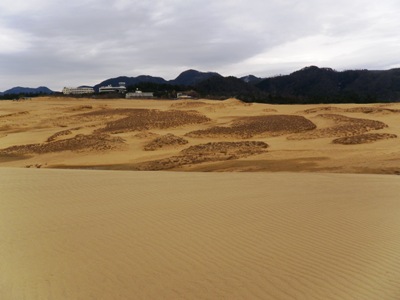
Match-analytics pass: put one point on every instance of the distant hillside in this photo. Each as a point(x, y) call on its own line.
point(308, 85)
point(25, 90)
point(251, 79)
point(192, 77)
point(130, 81)
point(316, 85)
point(219, 87)
point(186, 78)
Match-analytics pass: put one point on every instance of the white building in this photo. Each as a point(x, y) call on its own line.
point(139, 94)
point(113, 89)
point(77, 90)
point(183, 96)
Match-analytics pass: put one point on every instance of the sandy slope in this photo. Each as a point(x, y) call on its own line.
point(156, 135)
point(73, 234)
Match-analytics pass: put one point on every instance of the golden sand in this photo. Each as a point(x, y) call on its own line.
point(73, 234)
point(118, 134)
point(308, 234)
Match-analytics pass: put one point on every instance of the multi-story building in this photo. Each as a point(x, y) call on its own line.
point(113, 89)
point(139, 94)
point(77, 90)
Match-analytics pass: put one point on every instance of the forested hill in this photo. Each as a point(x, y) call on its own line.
point(323, 85)
point(26, 90)
point(186, 78)
point(308, 85)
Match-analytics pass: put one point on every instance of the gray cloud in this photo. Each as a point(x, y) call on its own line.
point(57, 43)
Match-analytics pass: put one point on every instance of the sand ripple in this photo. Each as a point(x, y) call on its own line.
point(69, 234)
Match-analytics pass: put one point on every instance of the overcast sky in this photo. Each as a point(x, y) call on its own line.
point(60, 43)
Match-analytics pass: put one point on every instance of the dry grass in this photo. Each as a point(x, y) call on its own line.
point(13, 122)
point(7, 128)
point(33, 127)
point(271, 125)
point(371, 110)
point(109, 112)
point(361, 109)
point(364, 138)
point(344, 126)
point(81, 107)
point(146, 135)
point(168, 140)
point(58, 134)
point(130, 119)
point(99, 116)
point(145, 119)
point(230, 149)
point(322, 109)
point(18, 114)
point(269, 110)
point(188, 104)
point(93, 142)
point(209, 152)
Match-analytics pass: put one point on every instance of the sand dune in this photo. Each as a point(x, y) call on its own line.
point(78, 234)
point(118, 134)
point(93, 142)
point(342, 127)
point(73, 234)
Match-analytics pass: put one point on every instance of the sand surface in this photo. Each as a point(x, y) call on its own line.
point(73, 234)
point(199, 135)
point(264, 233)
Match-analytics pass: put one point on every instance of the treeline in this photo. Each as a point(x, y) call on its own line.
point(309, 85)
point(160, 90)
point(324, 85)
point(20, 96)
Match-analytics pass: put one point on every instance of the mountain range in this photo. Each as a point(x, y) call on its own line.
point(316, 85)
point(308, 85)
point(186, 78)
point(26, 90)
